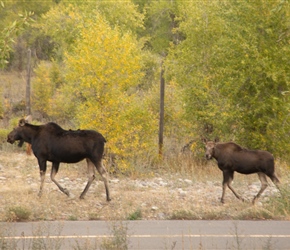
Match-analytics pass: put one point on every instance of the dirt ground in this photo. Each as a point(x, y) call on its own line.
point(160, 196)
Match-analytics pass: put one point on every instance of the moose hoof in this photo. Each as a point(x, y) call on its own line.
point(109, 199)
point(255, 200)
point(66, 192)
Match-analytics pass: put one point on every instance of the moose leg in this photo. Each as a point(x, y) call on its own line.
point(91, 174)
point(274, 179)
point(264, 185)
point(54, 170)
point(42, 168)
point(228, 178)
point(102, 171)
point(42, 177)
point(225, 181)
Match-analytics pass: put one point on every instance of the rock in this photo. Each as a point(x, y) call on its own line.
point(163, 184)
point(154, 208)
point(161, 216)
point(183, 193)
point(114, 181)
point(189, 182)
point(153, 185)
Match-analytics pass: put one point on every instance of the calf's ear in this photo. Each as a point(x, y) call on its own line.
point(21, 122)
point(204, 140)
point(216, 140)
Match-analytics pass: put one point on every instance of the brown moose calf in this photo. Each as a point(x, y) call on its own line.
point(233, 158)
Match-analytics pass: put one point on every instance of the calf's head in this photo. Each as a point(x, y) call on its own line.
point(209, 148)
point(15, 134)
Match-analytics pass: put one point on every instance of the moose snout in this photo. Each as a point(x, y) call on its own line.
point(208, 156)
point(10, 140)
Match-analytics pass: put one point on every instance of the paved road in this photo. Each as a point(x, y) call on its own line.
point(272, 235)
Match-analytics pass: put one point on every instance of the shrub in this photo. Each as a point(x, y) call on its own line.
point(3, 135)
point(119, 241)
point(17, 213)
point(183, 215)
point(137, 215)
point(280, 205)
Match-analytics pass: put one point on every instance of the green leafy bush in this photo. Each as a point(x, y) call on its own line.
point(3, 135)
point(137, 215)
point(18, 213)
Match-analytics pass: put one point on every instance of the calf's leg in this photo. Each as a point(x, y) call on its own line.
point(264, 185)
point(271, 174)
point(274, 179)
point(228, 178)
point(54, 170)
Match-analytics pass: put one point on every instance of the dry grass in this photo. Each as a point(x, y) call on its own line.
point(176, 200)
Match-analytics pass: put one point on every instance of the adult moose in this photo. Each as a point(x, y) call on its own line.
point(52, 143)
point(232, 157)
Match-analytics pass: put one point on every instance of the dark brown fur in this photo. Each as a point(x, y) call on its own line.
point(233, 158)
point(50, 142)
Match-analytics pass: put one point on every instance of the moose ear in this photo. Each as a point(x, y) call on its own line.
point(21, 122)
point(28, 119)
point(204, 140)
point(216, 140)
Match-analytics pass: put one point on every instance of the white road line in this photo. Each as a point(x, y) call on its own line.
point(148, 236)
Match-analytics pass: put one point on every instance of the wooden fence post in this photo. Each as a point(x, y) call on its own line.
point(28, 107)
point(161, 111)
